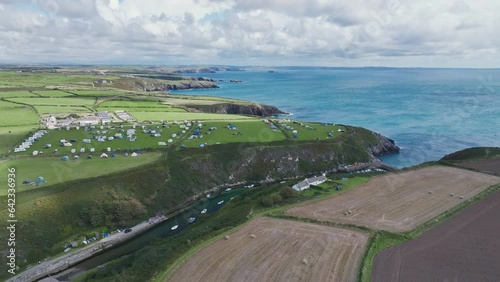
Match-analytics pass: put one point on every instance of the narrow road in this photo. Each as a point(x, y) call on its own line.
point(73, 257)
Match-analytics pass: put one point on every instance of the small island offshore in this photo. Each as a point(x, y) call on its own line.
point(116, 179)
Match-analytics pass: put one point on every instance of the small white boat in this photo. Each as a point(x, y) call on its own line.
point(191, 219)
point(204, 211)
point(220, 203)
point(228, 189)
point(174, 227)
point(208, 195)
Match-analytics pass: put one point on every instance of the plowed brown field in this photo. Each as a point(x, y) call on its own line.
point(399, 202)
point(466, 247)
point(268, 249)
point(490, 166)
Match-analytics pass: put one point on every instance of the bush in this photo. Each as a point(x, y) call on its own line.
point(277, 198)
point(267, 202)
point(288, 193)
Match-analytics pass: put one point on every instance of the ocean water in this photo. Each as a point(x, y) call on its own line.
point(428, 112)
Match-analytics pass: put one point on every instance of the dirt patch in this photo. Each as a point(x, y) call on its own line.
point(489, 166)
point(268, 249)
point(399, 202)
point(463, 248)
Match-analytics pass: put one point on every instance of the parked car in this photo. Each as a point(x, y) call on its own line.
point(128, 230)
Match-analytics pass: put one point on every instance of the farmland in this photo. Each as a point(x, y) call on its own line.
point(43, 79)
point(172, 116)
point(23, 116)
point(463, 248)
point(61, 110)
point(54, 93)
point(68, 101)
point(18, 94)
point(6, 104)
point(400, 201)
point(244, 131)
point(56, 171)
point(139, 106)
point(278, 250)
point(98, 93)
point(489, 166)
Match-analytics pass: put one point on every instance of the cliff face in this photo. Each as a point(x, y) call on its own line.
point(384, 146)
point(239, 109)
point(163, 85)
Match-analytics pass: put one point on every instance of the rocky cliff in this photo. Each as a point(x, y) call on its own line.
point(239, 109)
point(142, 84)
point(383, 146)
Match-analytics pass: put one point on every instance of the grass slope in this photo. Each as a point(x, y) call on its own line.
point(11, 135)
point(56, 171)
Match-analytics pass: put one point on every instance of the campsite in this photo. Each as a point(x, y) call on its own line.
point(96, 139)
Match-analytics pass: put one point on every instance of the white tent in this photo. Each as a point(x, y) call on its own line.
point(134, 154)
point(73, 151)
point(104, 156)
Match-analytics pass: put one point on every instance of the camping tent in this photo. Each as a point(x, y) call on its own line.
point(104, 156)
point(134, 154)
point(65, 158)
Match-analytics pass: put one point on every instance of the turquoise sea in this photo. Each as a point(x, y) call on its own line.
point(428, 112)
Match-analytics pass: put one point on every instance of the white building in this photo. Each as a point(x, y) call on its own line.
point(317, 180)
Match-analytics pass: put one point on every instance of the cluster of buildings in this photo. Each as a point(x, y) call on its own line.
point(123, 115)
point(102, 117)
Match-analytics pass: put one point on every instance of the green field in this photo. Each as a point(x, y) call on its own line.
point(144, 140)
point(56, 171)
point(18, 116)
point(14, 94)
point(159, 109)
point(138, 106)
point(133, 104)
point(53, 93)
point(247, 131)
point(310, 130)
point(171, 116)
point(11, 135)
point(55, 101)
point(5, 104)
point(61, 110)
point(42, 79)
point(100, 92)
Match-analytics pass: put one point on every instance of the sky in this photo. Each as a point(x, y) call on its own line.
point(398, 33)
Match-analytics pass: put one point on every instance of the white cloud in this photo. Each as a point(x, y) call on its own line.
point(344, 32)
